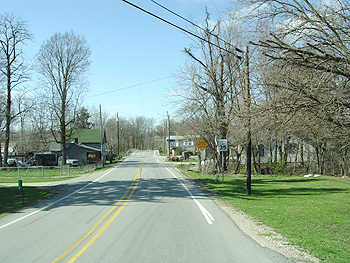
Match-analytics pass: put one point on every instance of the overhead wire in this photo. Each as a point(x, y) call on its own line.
point(190, 33)
point(180, 28)
point(195, 25)
point(129, 87)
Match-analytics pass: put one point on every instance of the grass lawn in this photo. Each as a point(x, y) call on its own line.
point(38, 172)
point(313, 213)
point(34, 180)
point(43, 174)
point(11, 197)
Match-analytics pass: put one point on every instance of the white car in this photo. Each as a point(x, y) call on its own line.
point(14, 162)
point(70, 162)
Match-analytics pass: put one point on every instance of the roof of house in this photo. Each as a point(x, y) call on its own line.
point(174, 137)
point(56, 147)
point(84, 136)
point(88, 147)
point(179, 137)
point(88, 136)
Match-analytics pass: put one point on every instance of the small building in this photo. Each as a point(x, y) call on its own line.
point(84, 145)
point(262, 151)
point(180, 144)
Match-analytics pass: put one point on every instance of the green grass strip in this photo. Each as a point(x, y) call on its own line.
point(11, 197)
point(313, 213)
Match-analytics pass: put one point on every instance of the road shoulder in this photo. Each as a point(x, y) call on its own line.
point(265, 236)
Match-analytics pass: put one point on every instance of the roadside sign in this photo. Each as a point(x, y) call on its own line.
point(222, 145)
point(202, 144)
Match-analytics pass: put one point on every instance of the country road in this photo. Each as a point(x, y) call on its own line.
point(141, 210)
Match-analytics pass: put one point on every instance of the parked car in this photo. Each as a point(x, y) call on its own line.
point(70, 162)
point(12, 162)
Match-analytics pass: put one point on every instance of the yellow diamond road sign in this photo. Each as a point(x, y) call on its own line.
point(202, 144)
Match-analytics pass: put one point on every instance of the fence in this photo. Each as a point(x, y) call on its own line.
point(47, 171)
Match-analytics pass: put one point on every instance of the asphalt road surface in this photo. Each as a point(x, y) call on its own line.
point(142, 210)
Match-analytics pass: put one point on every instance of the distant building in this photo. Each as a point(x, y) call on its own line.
point(180, 144)
point(84, 145)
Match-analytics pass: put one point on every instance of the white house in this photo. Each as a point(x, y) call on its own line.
point(179, 144)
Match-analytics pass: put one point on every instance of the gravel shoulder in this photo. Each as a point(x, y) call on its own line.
point(265, 236)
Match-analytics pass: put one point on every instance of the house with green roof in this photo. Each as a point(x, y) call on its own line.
point(84, 145)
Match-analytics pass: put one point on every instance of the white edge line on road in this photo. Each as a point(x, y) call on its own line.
point(204, 211)
point(57, 201)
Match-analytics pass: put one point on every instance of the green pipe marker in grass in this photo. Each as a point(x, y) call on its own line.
point(20, 187)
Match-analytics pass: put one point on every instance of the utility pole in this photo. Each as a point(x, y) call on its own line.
point(164, 137)
point(101, 133)
point(169, 133)
point(118, 136)
point(249, 139)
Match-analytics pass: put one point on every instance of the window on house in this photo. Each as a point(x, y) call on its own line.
point(188, 143)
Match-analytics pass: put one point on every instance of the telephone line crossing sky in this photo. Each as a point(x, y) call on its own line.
point(131, 51)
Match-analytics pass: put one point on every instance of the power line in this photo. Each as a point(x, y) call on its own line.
point(192, 34)
point(194, 24)
point(129, 87)
point(182, 29)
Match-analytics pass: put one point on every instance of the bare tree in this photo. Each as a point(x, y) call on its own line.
point(13, 34)
point(39, 119)
point(25, 103)
point(307, 78)
point(212, 85)
point(63, 62)
point(138, 129)
point(314, 39)
point(2, 110)
point(95, 117)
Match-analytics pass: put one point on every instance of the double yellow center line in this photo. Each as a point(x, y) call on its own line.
point(131, 190)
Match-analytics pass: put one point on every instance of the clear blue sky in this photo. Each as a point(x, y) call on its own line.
point(128, 46)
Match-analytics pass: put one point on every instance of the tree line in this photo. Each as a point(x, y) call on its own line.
point(62, 63)
point(299, 75)
point(53, 110)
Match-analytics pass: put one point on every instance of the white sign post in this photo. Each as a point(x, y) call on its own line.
point(222, 147)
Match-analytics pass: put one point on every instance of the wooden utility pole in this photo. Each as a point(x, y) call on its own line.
point(164, 137)
point(101, 133)
point(118, 145)
point(169, 133)
point(249, 139)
